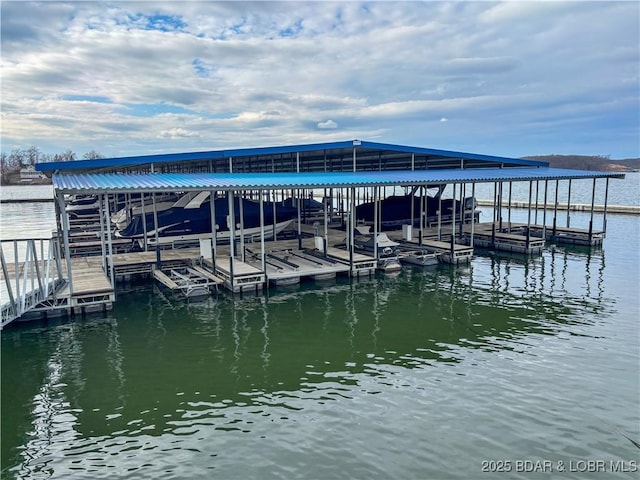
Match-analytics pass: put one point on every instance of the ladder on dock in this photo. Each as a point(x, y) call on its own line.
point(35, 274)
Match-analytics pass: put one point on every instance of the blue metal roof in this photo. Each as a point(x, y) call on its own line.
point(159, 182)
point(99, 163)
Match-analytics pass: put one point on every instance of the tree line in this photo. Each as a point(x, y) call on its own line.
point(11, 163)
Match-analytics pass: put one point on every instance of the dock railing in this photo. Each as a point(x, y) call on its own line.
point(31, 272)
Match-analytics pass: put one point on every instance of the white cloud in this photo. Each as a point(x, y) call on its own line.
point(228, 74)
point(329, 124)
point(177, 133)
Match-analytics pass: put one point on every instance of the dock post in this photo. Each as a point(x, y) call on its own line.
point(232, 236)
point(352, 218)
point(544, 212)
point(262, 253)
point(110, 244)
point(495, 215)
point(422, 215)
point(241, 212)
point(593, 199)
point(103, 219)
point(529, 217)
point(509, 208)
point(299, 220)
point(214, 229)
point(440, 215)
point(144, 222)
point(569, 205)
point(375, 223)
point(325, 207)
point(453, 223)
point(606, 198)
point(155, 229)
point(555, 211)
point(473, 215)
point(500, 193)
point(65, 238)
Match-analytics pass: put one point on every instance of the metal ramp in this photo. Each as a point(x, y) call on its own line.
point(34, 275)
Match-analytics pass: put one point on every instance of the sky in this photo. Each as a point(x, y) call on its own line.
point(507, 78)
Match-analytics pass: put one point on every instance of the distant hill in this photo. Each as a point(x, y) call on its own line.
point(585, 162)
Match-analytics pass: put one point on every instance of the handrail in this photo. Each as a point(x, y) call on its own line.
point(30, 278)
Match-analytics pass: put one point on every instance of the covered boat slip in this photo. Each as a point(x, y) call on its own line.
point(345, 172)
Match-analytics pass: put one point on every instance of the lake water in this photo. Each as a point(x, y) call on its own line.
point(431, 373)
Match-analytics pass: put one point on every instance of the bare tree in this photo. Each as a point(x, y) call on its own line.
point(32, 155)
point(64, 157)
point(92, 155)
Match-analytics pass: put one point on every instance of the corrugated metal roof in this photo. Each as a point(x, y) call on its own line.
point(157, 182)
point(343, 148)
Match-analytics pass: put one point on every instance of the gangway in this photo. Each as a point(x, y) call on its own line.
point(34, 275)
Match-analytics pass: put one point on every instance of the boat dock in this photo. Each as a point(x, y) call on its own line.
point(255, 245)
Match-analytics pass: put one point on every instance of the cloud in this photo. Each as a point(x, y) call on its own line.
point(518, 76)
point(329, 124)
point(177, 133)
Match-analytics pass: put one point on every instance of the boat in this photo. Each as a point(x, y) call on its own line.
point(395, 211)
point(79, 206)
point(122, 217)
point(189, 220)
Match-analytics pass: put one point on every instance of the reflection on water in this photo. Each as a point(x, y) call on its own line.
point(105, 396)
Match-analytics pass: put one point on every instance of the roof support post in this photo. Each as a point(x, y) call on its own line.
point(440, 215)
point(263, 265)
point(462, 208)
point(103, 217)
point(299, 203)
point(509, 208)
point(230, 164)
point(422, 214)
point(375, 222)
point(65, 239)
point(606, 198)
point(109, 242)
point(529, 216)
point(495, 214)
point(325, 207)
point(155, 229)
point(354, 158)
point(214, 230)
point(352, 222)
point(500, 197)
point(273, 212)
point(453, 223)
point(535, 218)
point(298, 162)
point(569, 205)
point(544, 212)
point(473, 214)
point(231, 221)
point(241, 209)
point(555, 210)
point(593, 198)
point(144, 222)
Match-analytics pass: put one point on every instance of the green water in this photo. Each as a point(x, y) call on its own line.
point(425, 374)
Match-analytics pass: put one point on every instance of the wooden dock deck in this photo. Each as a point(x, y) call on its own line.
point(245, 276)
